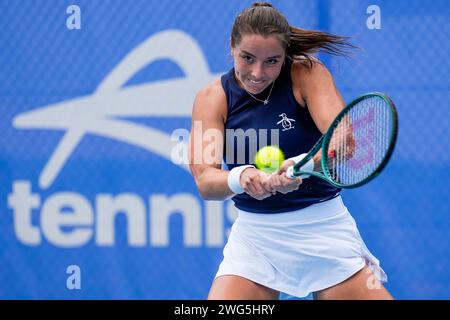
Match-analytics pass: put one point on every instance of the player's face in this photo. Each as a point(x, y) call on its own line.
point(257, 61)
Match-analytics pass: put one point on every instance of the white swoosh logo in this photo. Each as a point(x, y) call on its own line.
point(100, 112)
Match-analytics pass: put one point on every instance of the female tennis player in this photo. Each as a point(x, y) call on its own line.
point(291, 236)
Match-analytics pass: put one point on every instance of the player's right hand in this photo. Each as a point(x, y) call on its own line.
point(280, 183)
point(256, 183)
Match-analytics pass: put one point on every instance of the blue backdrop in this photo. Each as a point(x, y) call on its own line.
point(90, 96)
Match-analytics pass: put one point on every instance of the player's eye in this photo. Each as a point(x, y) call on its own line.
point(272, 61)
point(247, 58)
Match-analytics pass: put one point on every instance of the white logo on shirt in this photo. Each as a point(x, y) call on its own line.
point(286, 122)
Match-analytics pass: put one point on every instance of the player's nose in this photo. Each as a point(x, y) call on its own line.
point(258, 72)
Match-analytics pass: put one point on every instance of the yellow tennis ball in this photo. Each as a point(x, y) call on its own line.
point(269, 159)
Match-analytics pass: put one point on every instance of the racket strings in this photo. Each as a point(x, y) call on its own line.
point(360, 141)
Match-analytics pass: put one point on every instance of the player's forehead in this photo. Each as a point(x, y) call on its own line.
point(260, 46)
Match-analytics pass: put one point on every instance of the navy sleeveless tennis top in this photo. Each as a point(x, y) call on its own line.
point(281, 122)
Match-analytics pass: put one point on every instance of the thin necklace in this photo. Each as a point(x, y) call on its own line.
point(266, 101)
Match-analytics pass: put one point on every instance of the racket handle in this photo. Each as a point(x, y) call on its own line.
point(290, 173)
point(309, 166)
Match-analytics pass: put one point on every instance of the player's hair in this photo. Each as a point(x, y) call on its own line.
point(263, 19)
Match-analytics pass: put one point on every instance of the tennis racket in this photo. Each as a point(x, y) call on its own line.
point(356, 147)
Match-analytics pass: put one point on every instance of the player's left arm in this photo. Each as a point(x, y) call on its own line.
point(315, 87)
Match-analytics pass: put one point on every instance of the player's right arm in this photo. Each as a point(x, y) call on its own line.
point(206, 149)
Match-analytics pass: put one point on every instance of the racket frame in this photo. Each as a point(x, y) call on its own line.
point(324, 142)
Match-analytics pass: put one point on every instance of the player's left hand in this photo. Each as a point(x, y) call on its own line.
point(280, 183)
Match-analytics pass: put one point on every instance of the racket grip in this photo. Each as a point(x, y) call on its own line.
point(290, 172)
point(309, 166)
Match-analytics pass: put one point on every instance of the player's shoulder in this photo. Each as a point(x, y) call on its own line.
point(211, 99)
point(212, 92)
point(309, 76)
point(309, 69)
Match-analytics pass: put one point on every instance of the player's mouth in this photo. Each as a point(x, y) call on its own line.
point(256, 86)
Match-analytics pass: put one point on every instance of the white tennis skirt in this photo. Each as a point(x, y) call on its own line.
point(298, 252)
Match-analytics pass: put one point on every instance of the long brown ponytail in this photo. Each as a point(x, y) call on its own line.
point(263, 19)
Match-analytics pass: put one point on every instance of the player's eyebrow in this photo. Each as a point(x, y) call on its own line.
point(250, 54)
